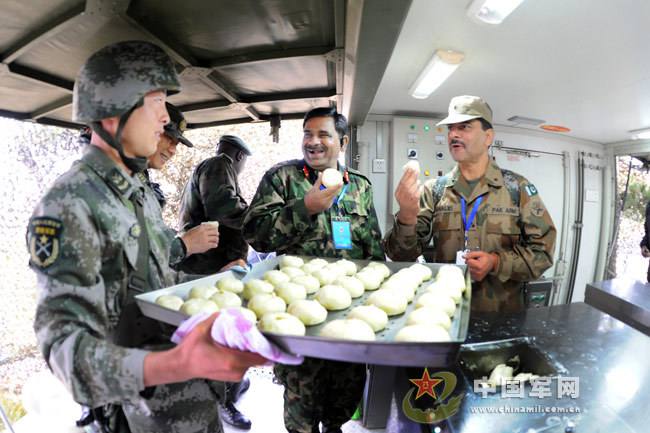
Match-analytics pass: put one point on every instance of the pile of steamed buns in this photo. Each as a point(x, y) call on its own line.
point(301, 293)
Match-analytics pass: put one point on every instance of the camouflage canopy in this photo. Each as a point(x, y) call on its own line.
point(116, 78)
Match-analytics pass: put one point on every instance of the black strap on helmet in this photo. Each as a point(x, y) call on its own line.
point(137, 164)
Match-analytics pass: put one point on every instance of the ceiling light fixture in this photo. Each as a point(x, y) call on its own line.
point(521, 120)
point(640, 134)
point(438, 69)
point(492, 11)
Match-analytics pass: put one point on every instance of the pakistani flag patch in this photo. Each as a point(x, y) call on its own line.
point(43, 240)
point(531, 190)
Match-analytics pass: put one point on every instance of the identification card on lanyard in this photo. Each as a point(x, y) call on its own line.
point(341, 233)
point(467, 224)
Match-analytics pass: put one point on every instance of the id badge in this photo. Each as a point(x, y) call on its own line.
point(341, 234)
point(460, 260)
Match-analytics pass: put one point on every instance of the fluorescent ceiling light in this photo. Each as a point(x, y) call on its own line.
point(492, 11)
point(640, 134)
point(440, 67)
point(521, 120)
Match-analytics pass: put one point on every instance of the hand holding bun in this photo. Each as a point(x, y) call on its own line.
point(331, 178)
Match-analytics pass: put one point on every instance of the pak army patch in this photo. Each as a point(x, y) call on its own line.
point(43, 240)
point(531, 190)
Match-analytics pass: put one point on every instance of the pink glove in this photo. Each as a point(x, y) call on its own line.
point(232, 329)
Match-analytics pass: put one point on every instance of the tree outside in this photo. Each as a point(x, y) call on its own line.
point(631, 199)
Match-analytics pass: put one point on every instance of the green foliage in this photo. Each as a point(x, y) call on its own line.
point(12, 407)
point(638, 195)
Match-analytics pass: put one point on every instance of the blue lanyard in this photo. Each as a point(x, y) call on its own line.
point(467, 222)
point(342, 194)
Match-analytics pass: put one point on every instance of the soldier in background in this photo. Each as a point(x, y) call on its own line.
point(489, 218)
point(213, 194)
point(166, 149)
point(96, 240)
point(198, 239)
point(290, 214)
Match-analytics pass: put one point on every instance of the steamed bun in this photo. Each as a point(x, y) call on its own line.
point(255, 286)
point(291, 291)
point(276, 277)
point(199, 305)
point(451, 275)
point(412, 165)
point(318, 262)
point(425, 272)
point(440, 288)
point(324, 276)
point(429, 316)
point(391, 301)
point(310, 283)
point(172, 302)
point(230, 284)
point(352, 285)
point(266, 303)
point(281, 323)
point(291, 261)
point(422, 333)
point(381, 267)
point(334, 297)
point(292, 272)
point(226, 299)
point(348, 266)
point(331, 178)
point(348, 329)
point(202, 292)
point(373, 316)
point(309, 312)
point(370, 278)
point(443, 303)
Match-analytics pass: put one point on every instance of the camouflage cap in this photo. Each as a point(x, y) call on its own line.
point(237, 142)
point(464, 108)
point(177, 125)
point(116, 78)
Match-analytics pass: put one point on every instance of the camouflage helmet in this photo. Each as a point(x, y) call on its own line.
point(116, 78)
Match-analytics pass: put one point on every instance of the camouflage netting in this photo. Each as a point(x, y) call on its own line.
point(35, 155)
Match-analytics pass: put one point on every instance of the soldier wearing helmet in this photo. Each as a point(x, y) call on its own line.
point(97, 239)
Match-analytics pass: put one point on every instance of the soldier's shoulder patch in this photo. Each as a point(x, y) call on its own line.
point(43, 240)
point(118, 180)
point(530, 190)
point(536, 208)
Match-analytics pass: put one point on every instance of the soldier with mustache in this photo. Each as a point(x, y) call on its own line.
point(478, 214)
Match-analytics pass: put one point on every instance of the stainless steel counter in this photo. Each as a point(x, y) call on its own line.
point(627, 300)
point(610, 360)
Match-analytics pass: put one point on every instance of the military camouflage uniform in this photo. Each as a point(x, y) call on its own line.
point(213, 194)
point(511, 221)
point(177, 249)
point(277, 220)
point(83, 241)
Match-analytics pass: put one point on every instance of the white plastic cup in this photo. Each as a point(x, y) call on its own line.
point(213, 223)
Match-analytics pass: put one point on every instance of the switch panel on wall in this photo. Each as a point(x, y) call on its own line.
point(379, 166)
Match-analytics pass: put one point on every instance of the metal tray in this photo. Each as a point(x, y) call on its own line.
point(479, 359)
point(383, 351)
